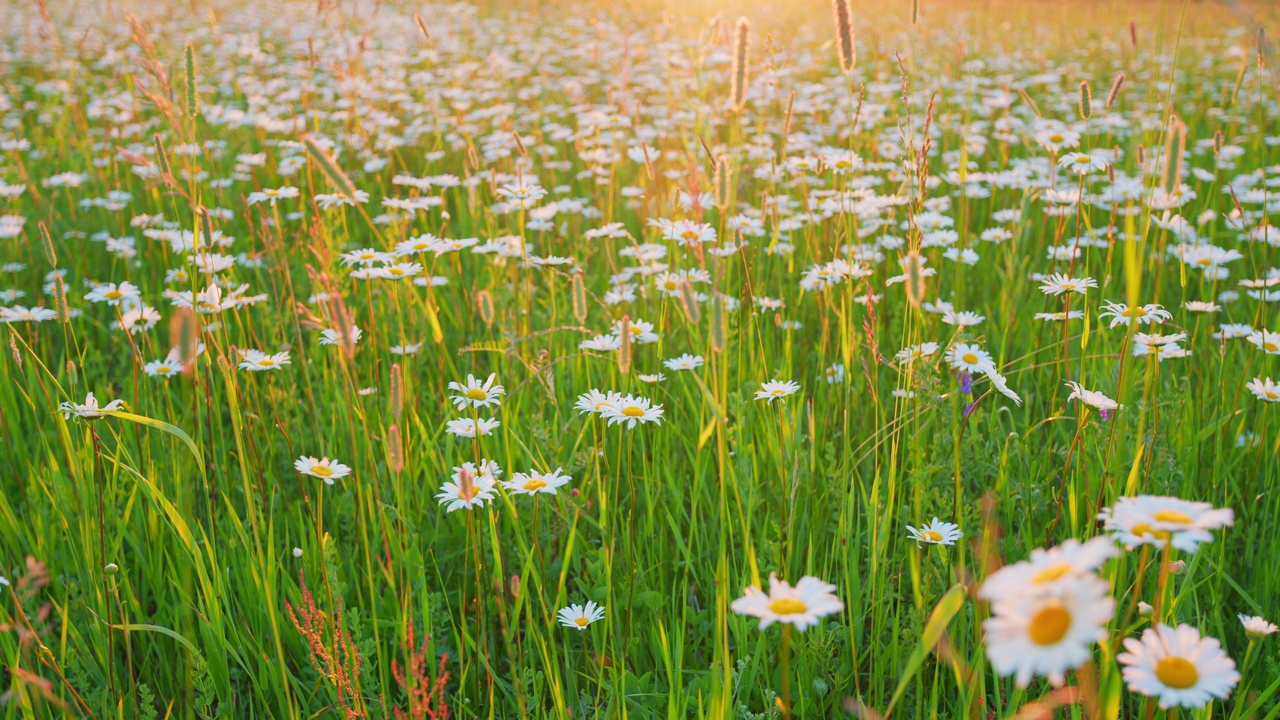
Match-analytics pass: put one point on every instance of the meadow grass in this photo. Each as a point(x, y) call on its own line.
point(180, 554)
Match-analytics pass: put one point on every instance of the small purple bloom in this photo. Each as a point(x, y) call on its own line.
point(966, 383)
point(969, 408)
point(1105, 413)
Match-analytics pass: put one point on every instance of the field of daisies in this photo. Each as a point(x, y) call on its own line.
point(639, 360)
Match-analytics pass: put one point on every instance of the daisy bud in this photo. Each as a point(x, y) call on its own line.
point(624, 352)
point(395, 455)
point(422, 26)
point(1144, 609)
point(1115, 90)
point(397, 391)
point(1177, 567)
point(193, 99)
point(46, 241)
point(844, 36)
point(689, 302)
point(111, 569)
point(297, 552)
point(331, 170)
point(162, 158)
point(741, 59)
point(718, 321)
point(484, 307)
point(579, 292)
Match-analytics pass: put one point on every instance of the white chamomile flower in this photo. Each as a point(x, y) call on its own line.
point(1178, 667)
point(802, 606)
point(476, 394)
point(324, 468)
point(631, 409)
point(936, 533)
point(579, 617)
point(776, 390)
point(534, 482)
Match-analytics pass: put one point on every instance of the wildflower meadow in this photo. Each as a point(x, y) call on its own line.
point(576, 359)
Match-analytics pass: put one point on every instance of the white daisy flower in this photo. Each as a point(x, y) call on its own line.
point(801, 606)
point(1178, 667)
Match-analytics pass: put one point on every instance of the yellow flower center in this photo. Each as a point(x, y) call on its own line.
point(1051, 573)
point(581, 622)
point(1134, 312)
point(535, 484)
point(322, 471)
point(633, 411)
point(787, 606)
point(1172, 516)
point(394, 271)
point(1178, 673)
point(931, 536)
point(1144, 530)
point(689, 235)
point(114, 294)
point(266, 362)
point(1049, 625)
point(1270, 347)
point(164, 369)
point(670, 285)
point(1055, 138)
point(970, 358)
point(1068, 286)
point(477, 394)
point(1271, 394)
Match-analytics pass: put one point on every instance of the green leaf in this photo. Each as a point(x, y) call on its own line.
point(939, 619)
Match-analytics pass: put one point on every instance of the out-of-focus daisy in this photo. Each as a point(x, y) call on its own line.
point(776, 389)
point(916, 352)
point(271, 195)
point(684, 362)
point(258, 361)
point(1178, 667)
point(19, 313)
point(324, 468)
point(468, 427)
point(476, 394)
point(332, 336)
point(802, 606)
point(1256, 627)
point(1081, 163)
point(579, 617)
point(594, 401)
point(1264, 389)
point(1062, 564)
point(1156, 520)
point(936, 533)
point(835, 374)
point(113, 294)
point(1050, 631)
